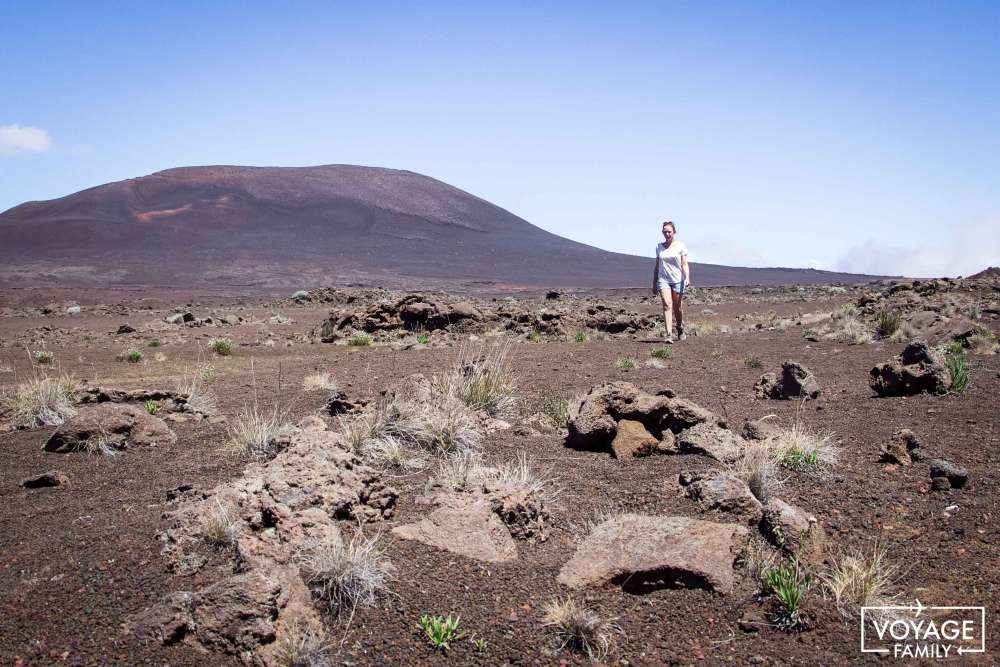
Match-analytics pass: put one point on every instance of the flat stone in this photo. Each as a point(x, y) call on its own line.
point(465, 525)
point(710, 440)
point(46, 480)
point(716, 490)
point(633, 440)
point(642, 553)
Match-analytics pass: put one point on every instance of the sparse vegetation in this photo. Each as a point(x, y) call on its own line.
point(300, 647)
point(535, 337)
point(99, 445)
point(423, 338)
point(253, 430)
point(789, 585)
point(752, 361)
point(888, 323)
point(798, 446)
point(461, 472)
point(153, 343)
point(860, 578)
point(625, 363)
point(391, 454)
point(482, 379)
point(218, 527)
point(660, 353)
point(440, 631)
point(43, 357)
point(554, 408)
point(221, 346)
point(132, 355)
point(152, 407)
point(756, 466)
point(982, 341)
point(199, 398)
point(958, 372)
point(580, 337)
point(345, 576)
point(518, 474)
point(319, 382)
point(360, 339)
point(809, 333)
point(579, 628)
point(40, 401)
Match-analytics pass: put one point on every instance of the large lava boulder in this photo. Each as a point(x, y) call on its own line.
point(918, 369)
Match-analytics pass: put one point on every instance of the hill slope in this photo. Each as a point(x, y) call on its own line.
point(302, 226)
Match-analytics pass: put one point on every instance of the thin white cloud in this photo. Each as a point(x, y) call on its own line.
point(960, 250)
point(16, 140)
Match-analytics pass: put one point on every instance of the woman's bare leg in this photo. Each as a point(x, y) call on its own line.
point(667, 302)
point(678, 315)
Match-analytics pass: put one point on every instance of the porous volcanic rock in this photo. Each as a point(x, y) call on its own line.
point(794, 530)
point(594, 418)
point(796, 381)
point(632, 440)
point(717, 490)
point(46, 480)
point(466, 525)
point(903, 449)
point(918, 369)
point(956, 475)
point(642, 553)
point(121, 425)
point(412, 311)
point(277, 511)
point(712, 441)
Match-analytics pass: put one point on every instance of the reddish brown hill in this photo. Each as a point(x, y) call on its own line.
point(296, 227)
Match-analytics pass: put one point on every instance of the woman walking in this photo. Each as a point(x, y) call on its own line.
point(671, 277)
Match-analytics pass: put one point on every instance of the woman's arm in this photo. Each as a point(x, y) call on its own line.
point(656, 270)
point(687, 270)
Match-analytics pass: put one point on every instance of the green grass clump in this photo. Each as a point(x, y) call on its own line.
point(152, 407)
point(554, 408)
point(796, 457)
point(660, 353)
point(888, 322)
point(535, 337)
point(153, 343)
point(44, 357)
point(789, 584)
point(424, 338)
point(221, 346)
point(360, 339)
point(752, 361)
point(440, 632)
point(958, 372)
point(625, 363)
point(580, 337)
point(132, 355)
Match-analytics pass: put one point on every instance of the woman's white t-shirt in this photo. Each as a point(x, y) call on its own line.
point(670, 270)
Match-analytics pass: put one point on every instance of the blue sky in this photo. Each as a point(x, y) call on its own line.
point(853, 136)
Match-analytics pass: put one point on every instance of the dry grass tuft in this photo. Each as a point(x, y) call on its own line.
point(463, 472)
point(40, 401)
point(861, 579)
point(798, 446)
point(300, 647)
point(218, 527)
point(253, 430)
point(344, 576)
point(389, 453)
point(518, 474)
point(580, 628)
point(482, 379)
point(199, 398)
point(757, 467)
point(318, 381)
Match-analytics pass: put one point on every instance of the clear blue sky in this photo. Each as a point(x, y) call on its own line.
point(859, 136)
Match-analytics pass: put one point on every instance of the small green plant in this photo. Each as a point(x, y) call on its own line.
point(958, 371)
point(809, 333)
point(580, 337)
point(152, 407)
point(849, 309)
point(660, 353)
point(132, 355)
point(221, 346)
point(480, 645)
point(553, 407)
point(796, 457)
point(752, 361)
point(44, 357)
point(888, 322)
point(424, 338)
point(789, 584)
point(625, 363)
point(153, 343)
point(535, 337)
point(360, 339)
point(440, 631)
point(951, 347)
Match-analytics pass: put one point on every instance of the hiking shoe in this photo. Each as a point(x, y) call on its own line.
point(682, 336)
point(669, 340)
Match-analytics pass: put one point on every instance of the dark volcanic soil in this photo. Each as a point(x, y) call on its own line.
point(77, 562)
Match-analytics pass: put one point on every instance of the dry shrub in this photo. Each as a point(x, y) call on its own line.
point(482, 379)
point(846, 327)
point(757, 467)
point(40, 401)
point(344, 576)
point(518, 475)
point(389, 453)
point(218, 527)
point(861, 578)
point(758, 557)
point(199, 397)
point(253, 430)
point(799, 445)
point(300, 647)
point(318, 381)
point(462, 472)
point(100, 445)
point(580, 628)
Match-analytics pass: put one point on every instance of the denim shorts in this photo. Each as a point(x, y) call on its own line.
point(674, 287)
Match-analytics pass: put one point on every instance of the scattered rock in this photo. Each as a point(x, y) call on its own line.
point(522, 511)
point(796, 381)
point(795, 531)
point(633, 440)
point(904, 448)
point(917, 370)
point(716, 490)
point(124, 329)
point(46, 480)
point(955, 475)
point(711, 440)
point(120, 425)
point(464, 525)
point(339, 404)
point(761, 429)
point(643, 553)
